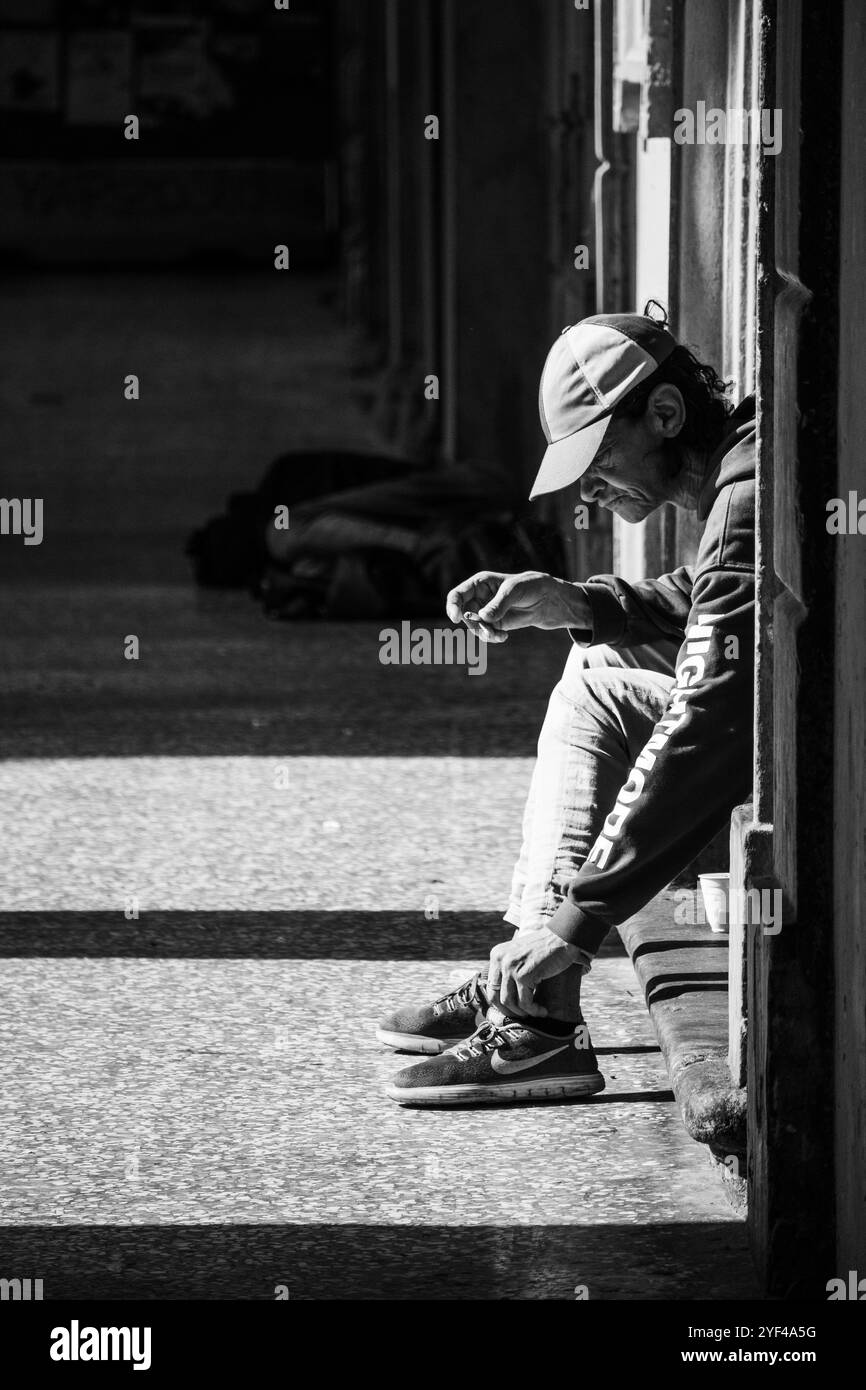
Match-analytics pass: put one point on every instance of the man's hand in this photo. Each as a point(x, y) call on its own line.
point(503, 602)
point(518, 966)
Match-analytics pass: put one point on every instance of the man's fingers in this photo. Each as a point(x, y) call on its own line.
point(456, 602)
point(526, 999)
point(495, 610)
point(470, 594)
point(494, 973)
point(483, 631)
point(516, 992)
point(508, 991)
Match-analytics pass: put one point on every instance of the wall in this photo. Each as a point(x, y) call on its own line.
point(699, 243)
point(458, 252)
point(234, 153)
point(500, 159)
point(850, 681)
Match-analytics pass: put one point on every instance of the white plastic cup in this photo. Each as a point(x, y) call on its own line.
point(715, 888)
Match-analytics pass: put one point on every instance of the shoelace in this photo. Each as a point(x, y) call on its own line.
point(466, 995)
point(487, 1038)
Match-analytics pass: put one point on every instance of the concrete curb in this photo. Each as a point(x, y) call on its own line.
point(683, 972)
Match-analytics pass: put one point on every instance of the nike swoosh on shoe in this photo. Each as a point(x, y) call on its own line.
point(504, 1068)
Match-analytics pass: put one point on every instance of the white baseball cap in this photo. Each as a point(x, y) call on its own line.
point(591, 367)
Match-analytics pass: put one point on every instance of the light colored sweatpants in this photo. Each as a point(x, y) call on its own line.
point(599, 717)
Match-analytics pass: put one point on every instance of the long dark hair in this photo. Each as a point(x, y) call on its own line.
point(704, 392)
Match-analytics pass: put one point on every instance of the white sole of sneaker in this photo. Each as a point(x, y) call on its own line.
point(415, 1042)
point(588, 1085)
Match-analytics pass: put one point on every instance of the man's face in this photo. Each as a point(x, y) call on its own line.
point(630, 474)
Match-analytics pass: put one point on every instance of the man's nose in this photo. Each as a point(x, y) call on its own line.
point(590, 486)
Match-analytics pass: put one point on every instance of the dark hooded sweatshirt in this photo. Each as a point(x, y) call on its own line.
point(697, 765)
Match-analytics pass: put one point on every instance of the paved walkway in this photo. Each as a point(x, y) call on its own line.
point(192, 1102)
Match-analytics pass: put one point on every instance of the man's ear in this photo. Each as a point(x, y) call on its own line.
point(666, 410)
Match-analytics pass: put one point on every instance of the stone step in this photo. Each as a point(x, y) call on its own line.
point(683, 972)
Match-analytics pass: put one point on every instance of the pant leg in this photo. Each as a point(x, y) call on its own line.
point(662, 658)
point(600, 715)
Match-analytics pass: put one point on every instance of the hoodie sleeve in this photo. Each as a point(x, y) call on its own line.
point(696, 766)
point(629, 615)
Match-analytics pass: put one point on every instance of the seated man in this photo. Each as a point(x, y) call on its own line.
point(647, 743)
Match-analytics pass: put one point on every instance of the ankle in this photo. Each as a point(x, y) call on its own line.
point(556, 1024)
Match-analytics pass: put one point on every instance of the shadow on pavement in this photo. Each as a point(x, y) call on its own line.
point(693, 1260)
point(310, 935)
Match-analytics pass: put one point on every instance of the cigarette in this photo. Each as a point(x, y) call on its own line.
point(481, 629)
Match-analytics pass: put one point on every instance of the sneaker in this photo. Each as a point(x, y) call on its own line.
point(433, 1027)
point(506, 1059)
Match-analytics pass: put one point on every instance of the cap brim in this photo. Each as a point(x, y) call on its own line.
point(568, 459)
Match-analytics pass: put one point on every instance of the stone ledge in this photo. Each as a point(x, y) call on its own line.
point(683, 972)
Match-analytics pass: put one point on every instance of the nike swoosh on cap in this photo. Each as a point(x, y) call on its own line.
point(503, 1068)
